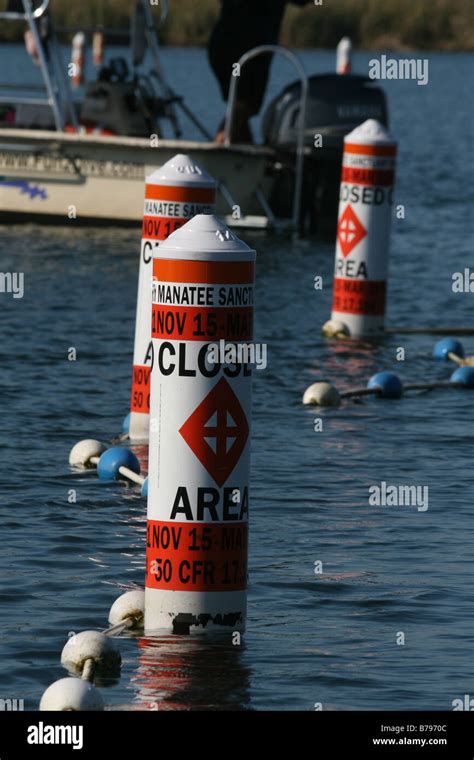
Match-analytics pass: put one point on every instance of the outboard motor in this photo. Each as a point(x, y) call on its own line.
point(111, 103)
point(336, 104)
point(121, 104)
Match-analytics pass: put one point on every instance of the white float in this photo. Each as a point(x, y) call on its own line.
point(90, 645)
point(71, 694)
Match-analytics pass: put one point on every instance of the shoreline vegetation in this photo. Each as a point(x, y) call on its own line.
point(397, 25)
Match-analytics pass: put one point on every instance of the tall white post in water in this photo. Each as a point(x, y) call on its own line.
point(363, 232)
point(199, 455)
point(98, 47)
point(344, 56)
point(173, 194)
point(77, 58)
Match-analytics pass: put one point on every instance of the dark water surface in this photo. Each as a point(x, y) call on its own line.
point(327, 638)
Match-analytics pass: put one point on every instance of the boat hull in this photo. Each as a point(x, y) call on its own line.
point(54, 177)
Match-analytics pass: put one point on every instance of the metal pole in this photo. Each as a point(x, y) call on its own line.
point(52, 97)
point(58, 63)
point(150, 31)
point(13, 15)
point(301, 119)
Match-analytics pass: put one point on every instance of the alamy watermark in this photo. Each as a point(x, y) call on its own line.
point(463, 282)
point(385, 495)
point(12, 705)
point(12, 282)
point(43, 733)
point(237, 353)
point(463, 703)
point(399, 68)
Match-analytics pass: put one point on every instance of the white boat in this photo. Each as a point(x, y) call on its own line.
point(53, 168)
point(51, 176)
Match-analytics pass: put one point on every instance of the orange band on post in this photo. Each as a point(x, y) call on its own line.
point(201, 324)
point(360, 176)
point(187, 193)
point(160, 227)
point(183, 556)
point(140, 401)
point(371, 150)
point(208, 272)
point(359, 296)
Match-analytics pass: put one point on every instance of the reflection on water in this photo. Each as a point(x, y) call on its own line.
point(173, 670)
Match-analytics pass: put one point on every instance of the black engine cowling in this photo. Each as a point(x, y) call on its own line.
point(336, 104)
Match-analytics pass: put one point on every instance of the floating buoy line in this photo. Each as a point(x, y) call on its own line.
point(431, 330)
point(387, 385)
point(114, 463)
point(89, 654)
point(336, 328)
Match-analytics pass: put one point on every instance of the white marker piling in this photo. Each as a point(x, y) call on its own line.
point(363, 231)
point(77, 58)
point(344, 56)
point(98, 47)
point(199, 455)
point(173, 194)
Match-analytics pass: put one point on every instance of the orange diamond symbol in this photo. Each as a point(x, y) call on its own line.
point(349, 231)
point(217, 431)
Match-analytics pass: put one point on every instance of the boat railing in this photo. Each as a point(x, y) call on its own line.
point(300, 149)
point(58, 94)
point(36, 12)
point(55, 81)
